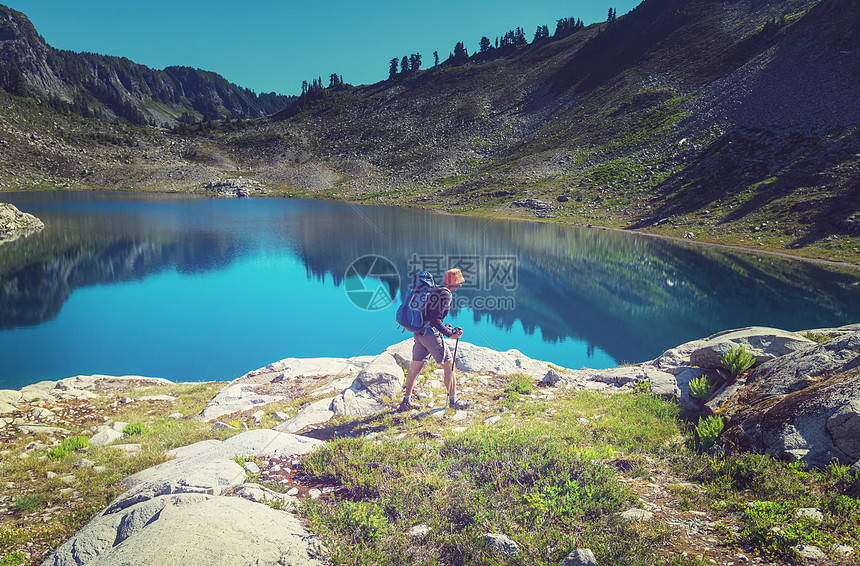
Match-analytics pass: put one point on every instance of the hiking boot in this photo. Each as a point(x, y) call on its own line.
point(407, 406)
point(458, 405)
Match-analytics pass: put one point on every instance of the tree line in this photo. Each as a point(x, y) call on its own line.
point(400, 67)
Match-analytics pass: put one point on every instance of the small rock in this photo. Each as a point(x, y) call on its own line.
point(127, 448)
point(258, 417)
point(810, 512)
point(99, 469)
point(810, 552)
point(106, 435)
point(419, 531)
point(579, 557)
point(41, 414)
point(280, 415)
point(501, 545)
point(293, 491)
point(50, 475)
point(637, 515)
point(314, 493)
point(252, 468)
point(223, 426)
point(83, 463)
point(551, 378)
point(843, 550)
point(493, 420)
point(175, 416)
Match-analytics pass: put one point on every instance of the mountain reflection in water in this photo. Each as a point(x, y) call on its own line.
point(625, 296)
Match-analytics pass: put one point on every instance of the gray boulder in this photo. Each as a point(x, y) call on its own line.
point(579, 557)
point(480, 359)
point(272, 383)
point(15, 224)
point(682, 380)
point(105, 435)
point(190, 529)
point(177, 512)
point(10, 400)
point(382, 377)
point(351, 405)
point(313, 414)
point(501, 545)
point(801, 406)
point(764, 344)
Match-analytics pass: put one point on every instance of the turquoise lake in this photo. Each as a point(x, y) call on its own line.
point(197, 289)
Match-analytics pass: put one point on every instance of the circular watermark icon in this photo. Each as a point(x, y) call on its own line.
point(371, 282)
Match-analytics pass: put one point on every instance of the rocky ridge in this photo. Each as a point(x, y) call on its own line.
point(212, 483)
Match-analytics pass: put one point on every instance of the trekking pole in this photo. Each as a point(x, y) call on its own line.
point(454, 364)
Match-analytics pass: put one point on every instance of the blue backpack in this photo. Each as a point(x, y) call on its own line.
point(410, 314)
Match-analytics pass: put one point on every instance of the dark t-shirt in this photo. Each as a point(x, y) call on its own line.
point(436, 309)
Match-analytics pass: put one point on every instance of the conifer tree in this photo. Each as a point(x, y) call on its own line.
point(460, 53)
point(404, 65)
point(392, 68)
point(415, 61)
point(485, 44)
point(435, 58)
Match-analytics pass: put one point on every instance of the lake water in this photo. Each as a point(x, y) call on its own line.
point(196, 289)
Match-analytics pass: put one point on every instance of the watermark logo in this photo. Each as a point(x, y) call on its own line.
point(487, 273)
point(371, 282)
point(489, 279)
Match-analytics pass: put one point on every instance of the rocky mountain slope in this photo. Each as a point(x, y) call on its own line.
point(727, 121)
point(99, 85)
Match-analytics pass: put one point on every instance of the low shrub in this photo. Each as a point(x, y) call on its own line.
point(30, 502)
point(819, 338)
point(702, 388)
point(708, 431)
point(521, 383)
point(135, 429)
point(13, 559)
point(772, 528)
point(69, 445)
point(736, 361)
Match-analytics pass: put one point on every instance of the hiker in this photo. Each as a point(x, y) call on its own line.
point(429, 342)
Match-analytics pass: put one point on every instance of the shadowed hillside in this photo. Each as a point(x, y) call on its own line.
point(103, 86)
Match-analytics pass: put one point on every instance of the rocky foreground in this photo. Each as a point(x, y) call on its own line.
point(801, 401)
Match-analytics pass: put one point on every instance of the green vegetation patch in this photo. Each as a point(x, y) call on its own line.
point(537, 481)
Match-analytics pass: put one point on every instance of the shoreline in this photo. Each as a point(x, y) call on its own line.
point(708, 243)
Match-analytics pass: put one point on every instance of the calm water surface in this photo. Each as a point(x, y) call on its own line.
point(197, 289)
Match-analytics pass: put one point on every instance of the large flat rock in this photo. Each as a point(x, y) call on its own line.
point(179, 513)
point(763, 343)
point(479, 359)
point(191, 529)
point(275, 382)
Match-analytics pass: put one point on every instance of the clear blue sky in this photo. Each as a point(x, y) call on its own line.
point(269, 45)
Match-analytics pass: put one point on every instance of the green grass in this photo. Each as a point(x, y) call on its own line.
point(764, 493)
point(535, 480)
